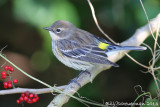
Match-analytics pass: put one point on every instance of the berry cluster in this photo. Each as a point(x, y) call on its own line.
point(25, 97)
point(28, 97)
point(6, 73)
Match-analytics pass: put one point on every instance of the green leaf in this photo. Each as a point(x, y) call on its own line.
point(153, 87)
point(151, 103)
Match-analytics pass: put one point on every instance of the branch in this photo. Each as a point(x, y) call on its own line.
point(140, 35)
point(35, 91)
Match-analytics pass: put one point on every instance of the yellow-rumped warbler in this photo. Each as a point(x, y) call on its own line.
point(80, 49)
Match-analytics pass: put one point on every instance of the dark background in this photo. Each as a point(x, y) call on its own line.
point(29, 46)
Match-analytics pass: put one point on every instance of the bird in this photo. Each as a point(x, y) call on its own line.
point(81, 50)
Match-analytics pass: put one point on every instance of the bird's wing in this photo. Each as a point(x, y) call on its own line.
point(89, 53)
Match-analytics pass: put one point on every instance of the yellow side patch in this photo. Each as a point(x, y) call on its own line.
point(103, 46)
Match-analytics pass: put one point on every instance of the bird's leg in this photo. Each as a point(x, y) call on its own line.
point(75, 79)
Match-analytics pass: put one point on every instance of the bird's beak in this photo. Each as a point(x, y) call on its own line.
point(47, 28)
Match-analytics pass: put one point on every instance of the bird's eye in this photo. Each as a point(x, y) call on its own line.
point(58, 30)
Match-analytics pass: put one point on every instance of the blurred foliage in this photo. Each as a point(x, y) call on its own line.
point(22, 23)
point(153, 88)
point(40, 61)
point(40, 14)
point(44, 12)
point(2, 2)
point(152, 9)
point(151, 103)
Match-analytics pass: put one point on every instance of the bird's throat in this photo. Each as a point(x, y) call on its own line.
point(54, 36)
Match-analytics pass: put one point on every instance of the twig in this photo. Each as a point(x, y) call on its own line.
point(47, 85)
point(144, 66)
point(23, 90)
point(154, 58)
point(96, 22)
point(148, 48)
point(147, 18)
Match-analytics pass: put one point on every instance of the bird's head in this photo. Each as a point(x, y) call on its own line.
point(60, 29)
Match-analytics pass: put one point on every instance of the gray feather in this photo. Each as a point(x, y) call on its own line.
point(90, 53)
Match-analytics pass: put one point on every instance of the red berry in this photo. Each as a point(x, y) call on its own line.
point(27, 93)
point(35, 95)
point(7, 74)
point(5, 84)
point(30, 95)
point(3, 73)
point(6, 68)
point(37, 98)
point(18, 101)
point(25, 98)
point(15, 81)
point(3, 77)
point(22, 95)
point(9, 85)
point(21, 99)
point(29, 101)
point(9, 81)
point(34, 100)
point(11, 69)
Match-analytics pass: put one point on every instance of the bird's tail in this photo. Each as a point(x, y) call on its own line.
point(140, 48)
